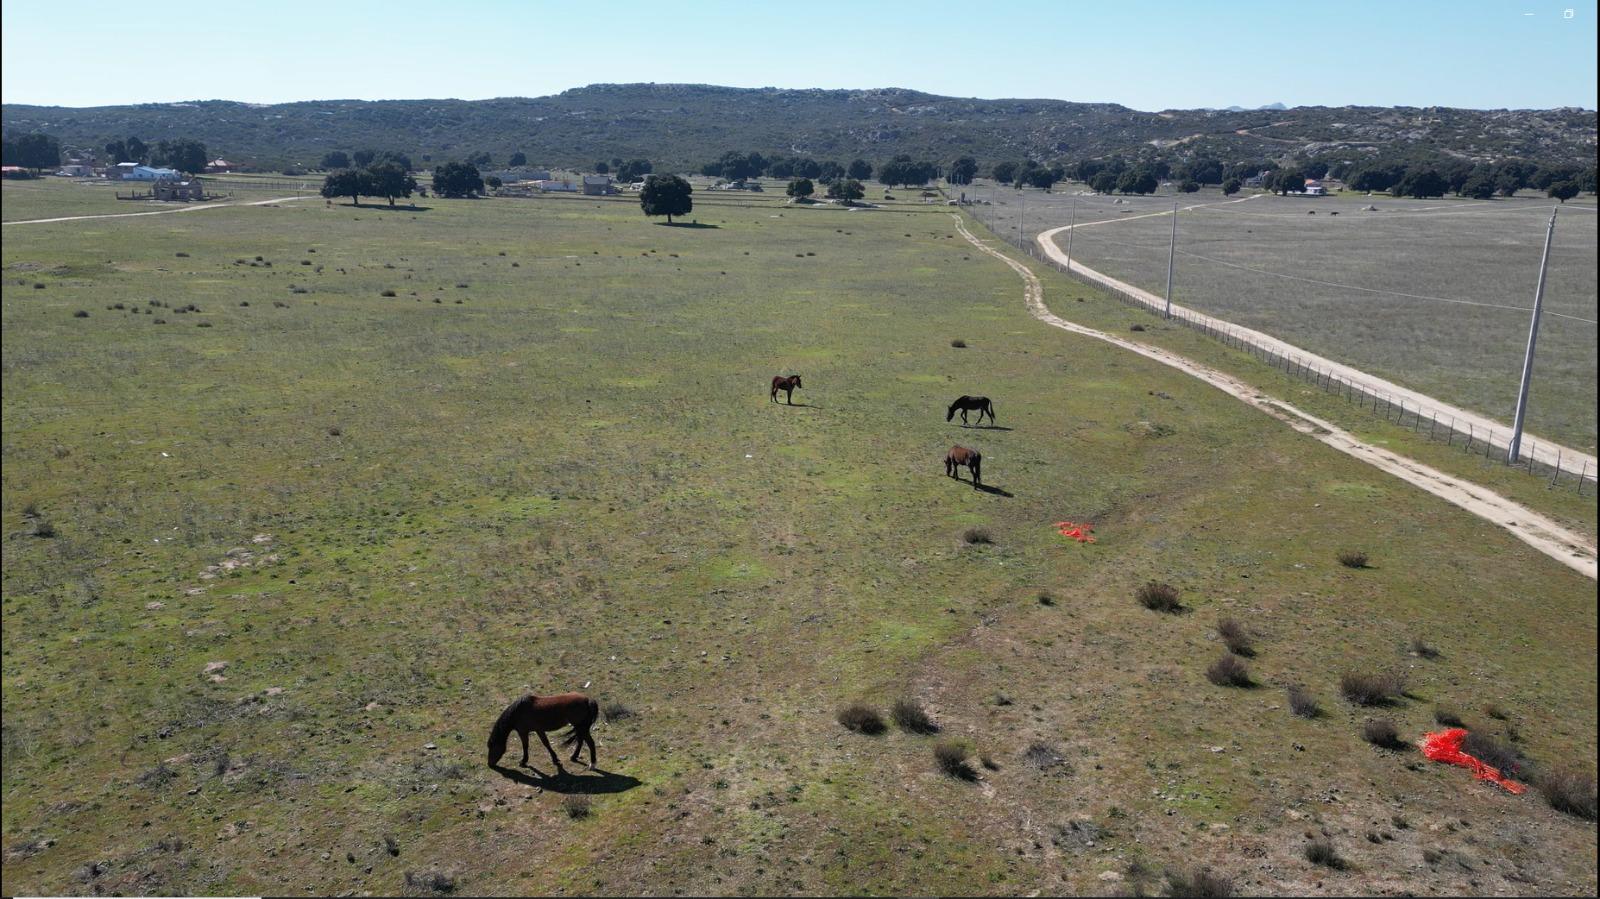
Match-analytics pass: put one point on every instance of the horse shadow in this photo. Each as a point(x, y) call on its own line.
point(996, 491)
point(686, 225)
point(988, 428)
point(595, 783)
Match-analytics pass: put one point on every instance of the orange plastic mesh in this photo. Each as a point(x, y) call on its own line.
point(1446, 747)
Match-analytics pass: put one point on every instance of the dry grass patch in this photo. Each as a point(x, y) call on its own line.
point(912, 718)
point(1373, 689)
point(1159, 598)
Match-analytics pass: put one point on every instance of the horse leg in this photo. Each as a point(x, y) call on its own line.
point(589, 738)
point(524, 735)
point(546, 741)
point(578, 735)
point(977, 478)
point(789, 395)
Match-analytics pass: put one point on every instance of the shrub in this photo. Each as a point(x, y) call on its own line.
point(1043, 756)
point(959, 344)
point(38, 285)
point(428, 882)
point(1485, 748)
point(1495, 712)
point(1382, 733)
point(1136, 328)
point(43, 528)
point(974, 536)
point(81, 313)
point(1228, 671)
point(576, 806)
point(1424, 649)
point(1302, 703)
point(910, 716)
point(951, 756)
point(387, 293)
point(1351, 558)
point(1159, 597)
point(1198, 882)
point(862, 718)
point(335, 431)
point(1321, 852)
point(1448, 717)
point(1234, 637)
point(182, 255)
point(391, 845)
point(1568, 790)
point(1372, 689)
point(202, 324)
point(1046, 598)
point(244, 302)
point(616, 711)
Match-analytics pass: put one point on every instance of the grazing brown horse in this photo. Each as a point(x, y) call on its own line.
point(541, 714)
point(965, 404)
point(971, 458)
point(787, 385)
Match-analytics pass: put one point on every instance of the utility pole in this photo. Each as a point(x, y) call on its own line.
point(1070, 229)
point(1514, 448)
point(1021, 214)
point(1172, 250)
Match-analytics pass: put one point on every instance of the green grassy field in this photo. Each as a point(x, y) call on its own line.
point(1255, 263)
point(548, 460)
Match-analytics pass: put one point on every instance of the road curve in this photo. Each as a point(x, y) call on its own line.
point(1497, 433)
point(129, 215)
point(1530, 527)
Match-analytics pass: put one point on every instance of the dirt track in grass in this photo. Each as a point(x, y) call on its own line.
point(1532, 528)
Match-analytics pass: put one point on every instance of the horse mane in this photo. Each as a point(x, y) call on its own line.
point(507, 720)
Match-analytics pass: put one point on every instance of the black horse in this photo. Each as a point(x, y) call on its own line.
point(965, 404)
point(787, 385)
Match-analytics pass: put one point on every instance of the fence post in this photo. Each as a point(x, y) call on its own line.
point(1557, 476)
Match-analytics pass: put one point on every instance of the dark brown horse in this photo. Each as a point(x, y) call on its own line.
point(541, 714)
point(971, 458)
point(787, 385)
point(965, 404)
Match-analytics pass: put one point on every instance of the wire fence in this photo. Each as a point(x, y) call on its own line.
point(1562, 473)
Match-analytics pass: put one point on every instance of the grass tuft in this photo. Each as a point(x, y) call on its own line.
point(616, 711)
point(959, 344)
point(1488, 749)
point(1321, 852)
point(577, 806)
point(977, 536)
point(951, 756)
point(1302, 703)
point(1352, 558)
point(911, 717)
point(1382, 733)
point(1234, 637)
point(862, 719)
point(1159, 598)
point(1228, 671)
point(1202, 883)
point(1568, 790)
point(1423, 649)
point(1372, 689)
point(1448, 717)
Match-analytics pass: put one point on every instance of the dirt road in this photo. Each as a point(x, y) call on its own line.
point(1534, 529)
point(129, 215)
point(1494, 432)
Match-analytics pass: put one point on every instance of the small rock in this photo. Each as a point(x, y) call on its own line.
point(214, 667)
point(431, 746)
point(154, 606)
point(1111, 876)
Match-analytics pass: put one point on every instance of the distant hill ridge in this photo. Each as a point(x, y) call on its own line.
point(680, 126)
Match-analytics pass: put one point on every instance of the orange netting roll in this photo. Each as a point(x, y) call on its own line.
point(1079, 531)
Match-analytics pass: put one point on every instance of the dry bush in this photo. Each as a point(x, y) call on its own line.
point(1228, 671)
point(910, 716)
point(1159, 597)
point(387, 293)
point(1495, 712)
point(951, 756)
point(959, 344)
point(1302, 703)
point(1046, 598)
point(1424, 649)
point(1568, 790)
point(42, 528)
point(1372, 689)
point(1044, 756)
point(1353, 558)
point(1321, 852)
point(1234, 637)
point(1382, 733)
point(862, 718)
point(576, 806)
point(1501, 755)
point(975, 536)
point(616, 711)
point(1448, 717)
point(428, 883)
point(1198, 882)
point(81, 313)
point(1136, 327)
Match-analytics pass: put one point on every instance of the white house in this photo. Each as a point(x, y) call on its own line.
point(1314, 189)
point(549, 185)
point(132, 171)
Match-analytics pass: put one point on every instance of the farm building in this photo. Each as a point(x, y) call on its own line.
point(1258, 179)
point(597, 185)
point(549, 185)
point(220, 166)
point(75, 170)
point(1314, 189)
point(516, 176)
point(132, 171)
point(171, 189)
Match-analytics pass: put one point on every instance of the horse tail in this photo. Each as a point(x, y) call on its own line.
point(990, 404)
point(580, 728)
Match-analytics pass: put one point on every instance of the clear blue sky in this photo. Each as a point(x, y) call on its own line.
point(1147, 54)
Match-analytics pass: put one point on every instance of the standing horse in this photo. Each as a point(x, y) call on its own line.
point(971, 458)
point(965, 404)
point(541, 714)
point(787, 385)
